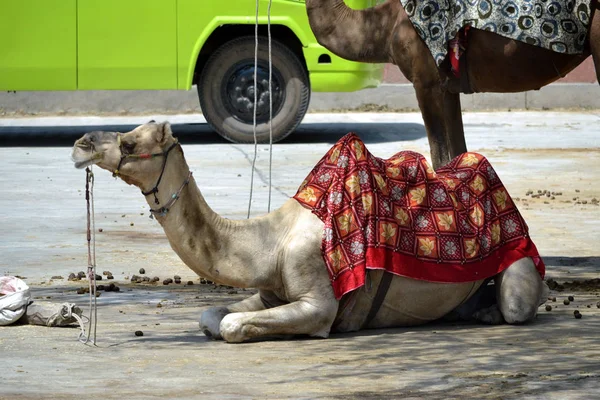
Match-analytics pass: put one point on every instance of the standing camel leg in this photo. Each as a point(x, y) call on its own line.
point(439, 107)
point(431, 102)
point(595, 37)
point(455, 134)
point(443, 121)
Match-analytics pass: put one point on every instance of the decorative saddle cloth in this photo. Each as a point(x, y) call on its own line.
point(557, 25)
point(456, 224)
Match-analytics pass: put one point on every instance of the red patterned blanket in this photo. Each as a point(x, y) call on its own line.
point(456, 224)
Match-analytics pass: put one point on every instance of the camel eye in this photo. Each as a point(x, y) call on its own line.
point(128, 148)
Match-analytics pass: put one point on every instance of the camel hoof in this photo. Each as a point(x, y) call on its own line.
point(210, 322)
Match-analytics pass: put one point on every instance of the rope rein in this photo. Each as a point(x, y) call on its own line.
point(270, 103)
point(91, 234)
point(270, 106)
point(66, 311)
point(91, 245)
point(154, 190)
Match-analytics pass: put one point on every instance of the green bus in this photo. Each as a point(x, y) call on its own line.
point(174, 44)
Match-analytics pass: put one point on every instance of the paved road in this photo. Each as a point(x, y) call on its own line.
point(43, 234)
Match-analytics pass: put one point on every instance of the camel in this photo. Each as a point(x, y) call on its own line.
point(385, 34)
point(279, 254)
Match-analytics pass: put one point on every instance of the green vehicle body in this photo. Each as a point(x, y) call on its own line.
point(152, 44)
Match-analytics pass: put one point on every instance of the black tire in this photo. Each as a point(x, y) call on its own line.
point(225, 90)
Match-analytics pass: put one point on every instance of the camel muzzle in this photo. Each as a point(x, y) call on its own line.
point(84, 151)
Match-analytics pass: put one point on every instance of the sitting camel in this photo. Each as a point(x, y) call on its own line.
point(280, 253)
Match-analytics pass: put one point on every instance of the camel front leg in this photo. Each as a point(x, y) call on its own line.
point(455, 134)
point(443, 122)
point(210, 320)
point(297, 318)
point(431, 102)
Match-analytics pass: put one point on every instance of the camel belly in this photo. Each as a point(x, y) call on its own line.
point(408, 302)
point(499, 64)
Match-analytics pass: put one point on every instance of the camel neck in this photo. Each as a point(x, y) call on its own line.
point(214, 247)
point(356, 35)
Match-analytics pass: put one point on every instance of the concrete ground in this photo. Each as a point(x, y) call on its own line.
point(43, 235)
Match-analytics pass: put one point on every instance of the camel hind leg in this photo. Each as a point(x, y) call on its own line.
point(520, 291)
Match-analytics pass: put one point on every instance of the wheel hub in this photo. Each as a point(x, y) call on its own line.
point(240, 91)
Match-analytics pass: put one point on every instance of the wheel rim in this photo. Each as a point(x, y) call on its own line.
point(238, 91)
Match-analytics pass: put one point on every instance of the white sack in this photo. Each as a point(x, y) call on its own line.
point(14, 298)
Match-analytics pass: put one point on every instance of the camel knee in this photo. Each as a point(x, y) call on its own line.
point(234, 330)
point(519, 292)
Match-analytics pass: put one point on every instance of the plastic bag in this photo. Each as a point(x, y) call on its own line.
point(14, 298)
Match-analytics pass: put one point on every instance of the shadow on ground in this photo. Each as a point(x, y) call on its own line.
point(202, 133)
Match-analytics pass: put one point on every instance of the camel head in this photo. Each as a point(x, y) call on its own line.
point(136, 157)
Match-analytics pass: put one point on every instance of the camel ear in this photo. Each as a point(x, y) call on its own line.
point(163, 132)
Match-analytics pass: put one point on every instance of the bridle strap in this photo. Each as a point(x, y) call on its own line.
point(174, 197)
point(154, 190)
point(164, 154)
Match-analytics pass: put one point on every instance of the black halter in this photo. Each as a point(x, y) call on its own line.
point(164, 154)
